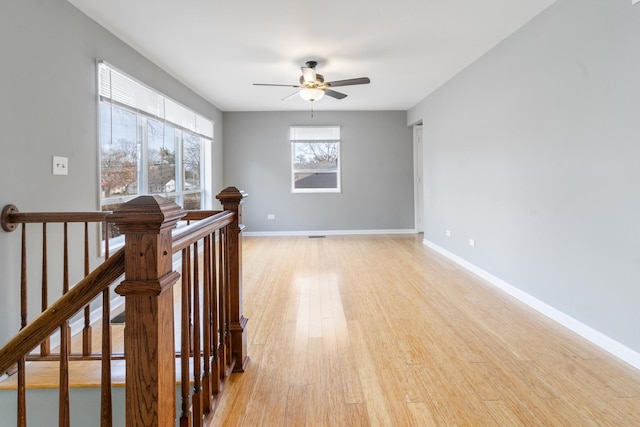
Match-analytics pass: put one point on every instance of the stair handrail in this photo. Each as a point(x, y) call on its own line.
point(64, 308)
point(150, 239)
point(186, 235)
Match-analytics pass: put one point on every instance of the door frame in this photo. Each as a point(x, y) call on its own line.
point(418, 181)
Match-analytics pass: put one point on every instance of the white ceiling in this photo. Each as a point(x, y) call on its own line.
point(408, 48)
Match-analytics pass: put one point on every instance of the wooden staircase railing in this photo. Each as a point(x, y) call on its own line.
point(212, 335)
point(11, 218)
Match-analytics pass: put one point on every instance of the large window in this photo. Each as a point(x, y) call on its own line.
point(315, 156)
point(149, 144)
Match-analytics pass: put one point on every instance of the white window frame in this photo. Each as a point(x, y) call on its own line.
point(119, 90)
point(315, 134)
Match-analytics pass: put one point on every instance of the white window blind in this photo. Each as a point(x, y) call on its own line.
point(309, 133)
point(118, 88)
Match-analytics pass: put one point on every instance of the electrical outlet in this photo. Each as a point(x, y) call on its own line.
point(448, 233)
point(472, 243)
point(271, 216)
point(60, 165)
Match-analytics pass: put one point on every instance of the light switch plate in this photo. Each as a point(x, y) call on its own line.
point(60, 165)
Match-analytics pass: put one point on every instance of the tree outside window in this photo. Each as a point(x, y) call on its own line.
point(315, 159)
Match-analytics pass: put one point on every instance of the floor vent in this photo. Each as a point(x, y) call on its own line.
point(317, 237)
point(118, 320)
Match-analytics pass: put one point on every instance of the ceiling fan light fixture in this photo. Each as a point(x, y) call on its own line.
point(312, 86)
point(311, 94)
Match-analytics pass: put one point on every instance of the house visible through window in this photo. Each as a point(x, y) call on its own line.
point(149, 144)
point(315, 156)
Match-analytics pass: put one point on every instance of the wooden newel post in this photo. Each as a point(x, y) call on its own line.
point(232, 199)
point(147, 222)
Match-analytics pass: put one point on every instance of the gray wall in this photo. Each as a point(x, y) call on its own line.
point(48, 106)
point(533, 151)
point(377, 171)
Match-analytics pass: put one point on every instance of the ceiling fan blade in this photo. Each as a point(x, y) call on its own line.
point(349, 82)
point(308, 74)
point(334, 94)
point(269, 84)
point(290, 96)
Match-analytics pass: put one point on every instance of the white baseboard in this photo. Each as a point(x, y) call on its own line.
point(324, 232)
point(608, 344)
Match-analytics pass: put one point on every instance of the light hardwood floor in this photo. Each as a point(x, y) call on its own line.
point(382, 331)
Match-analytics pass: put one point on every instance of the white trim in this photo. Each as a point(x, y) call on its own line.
point(608, 344)
point(418, 180)
point(323, 232)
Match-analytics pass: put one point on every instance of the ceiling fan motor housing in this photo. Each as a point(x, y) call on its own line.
point(319, 80)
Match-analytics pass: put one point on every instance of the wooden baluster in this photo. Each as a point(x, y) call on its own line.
point(63, 407)
point(185, 345)
point(23, 278)
point(86, 331)
point(106, 405)
point(189, 299)
point(22, 380)
point(106, 400)
point(106, 240)
point(65, 260)
point(65, 341)
point(232, 199)
point(147, 222)
point(197, 360)
point(221, 308)
point(22, 392)
point(227, 300)
point(45, 347)
point(65, 281)
point(206, 325)
point(215, 362)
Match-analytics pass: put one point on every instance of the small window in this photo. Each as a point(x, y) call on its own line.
point(315, 159)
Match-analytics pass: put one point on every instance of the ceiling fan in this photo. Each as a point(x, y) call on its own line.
point(312, 86)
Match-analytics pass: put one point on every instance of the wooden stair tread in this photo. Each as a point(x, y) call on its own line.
point(85, 373)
